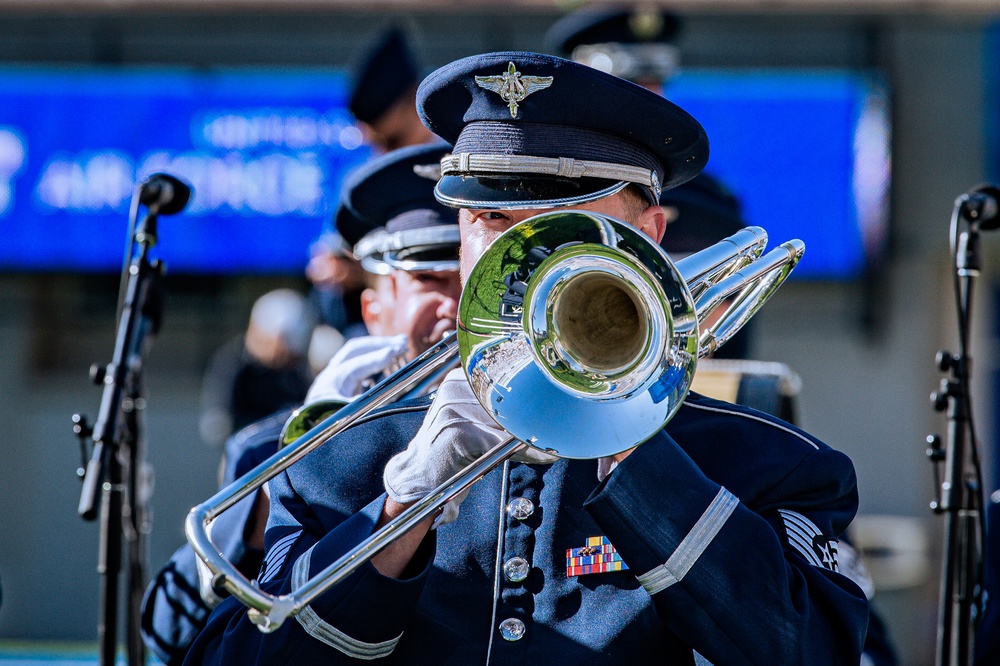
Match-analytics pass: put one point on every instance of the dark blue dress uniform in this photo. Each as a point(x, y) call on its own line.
point(173, 608)
point(726, 521)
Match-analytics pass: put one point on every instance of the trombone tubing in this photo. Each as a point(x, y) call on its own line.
point(196, 525)
point(729, 267)
point(293, 603)
point(708, 266)
point(751, 287)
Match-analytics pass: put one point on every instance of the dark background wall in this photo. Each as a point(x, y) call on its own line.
point(864, 350)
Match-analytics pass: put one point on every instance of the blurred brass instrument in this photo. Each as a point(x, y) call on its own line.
point(570, 312)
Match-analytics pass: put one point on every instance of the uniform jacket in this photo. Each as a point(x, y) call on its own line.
point(726, 521)
point(173, 607)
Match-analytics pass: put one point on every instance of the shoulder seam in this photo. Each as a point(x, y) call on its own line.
point(752, 417)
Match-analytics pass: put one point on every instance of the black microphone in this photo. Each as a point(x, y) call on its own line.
point(164, 194)
point(982, 206)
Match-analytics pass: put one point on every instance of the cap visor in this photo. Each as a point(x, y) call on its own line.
point(522, 192)
point(429, 259)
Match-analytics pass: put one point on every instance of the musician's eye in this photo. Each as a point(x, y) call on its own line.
point(493, 216)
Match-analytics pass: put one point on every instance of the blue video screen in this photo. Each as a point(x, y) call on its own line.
point(808, 156)
point(267, 150)
point(264, 151)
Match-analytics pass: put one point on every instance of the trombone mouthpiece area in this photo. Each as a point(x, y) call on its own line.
point(578, 334)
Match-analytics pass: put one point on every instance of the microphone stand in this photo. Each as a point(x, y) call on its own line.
point(960, 491)
point(113, 475)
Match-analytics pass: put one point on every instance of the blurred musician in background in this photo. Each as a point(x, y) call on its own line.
point(724, 523)
point(408, 244)
point(634, 43)
point(261, 371)
point(383, 87)
point(337, 282)
point(383, 93)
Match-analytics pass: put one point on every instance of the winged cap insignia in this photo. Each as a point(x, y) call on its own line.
point(513, 87)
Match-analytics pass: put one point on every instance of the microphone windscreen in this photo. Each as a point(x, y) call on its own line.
point(166, 194)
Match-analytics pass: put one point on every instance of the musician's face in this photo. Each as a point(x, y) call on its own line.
point(479, 228)
point(425, 306)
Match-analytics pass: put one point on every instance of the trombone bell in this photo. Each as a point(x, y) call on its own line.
point(582, 316)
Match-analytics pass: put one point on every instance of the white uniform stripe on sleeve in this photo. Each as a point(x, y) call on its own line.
point(322, 631)
point(692, 546)
point(802, 533)
point(276, 556)
point(798, 520)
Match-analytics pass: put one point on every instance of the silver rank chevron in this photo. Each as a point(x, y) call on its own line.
point(513, 87)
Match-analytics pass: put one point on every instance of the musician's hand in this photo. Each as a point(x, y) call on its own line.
point(456, 431)
point(358, 360)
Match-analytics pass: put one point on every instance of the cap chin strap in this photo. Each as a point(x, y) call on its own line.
point(387, 263)
point(466, 164)
point(382, 251)
point(421, 265)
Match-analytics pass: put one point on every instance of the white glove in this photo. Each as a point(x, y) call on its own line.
point(456, 431)
point(356, 361)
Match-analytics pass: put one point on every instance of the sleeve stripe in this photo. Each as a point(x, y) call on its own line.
point(798, 540)
point(276, 556)
point(692, 546)
point(801, 539)
point(805, 551)
point(327, 633)
point(801, 531)
point(798, 520)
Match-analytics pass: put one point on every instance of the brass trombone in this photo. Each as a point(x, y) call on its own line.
point(572, 310)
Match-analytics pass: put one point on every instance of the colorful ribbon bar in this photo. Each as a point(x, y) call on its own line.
point(598, 556)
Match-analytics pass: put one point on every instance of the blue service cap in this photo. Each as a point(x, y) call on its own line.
point(633, 43)
point(700, 213)
point(536, 131)
point(385, 71)
point(388, 213)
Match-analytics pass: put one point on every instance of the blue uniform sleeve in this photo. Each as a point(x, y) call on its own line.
point(744, 582)
point(361, 617)
point(177, 604)
point(174, 608)
point(173, 611)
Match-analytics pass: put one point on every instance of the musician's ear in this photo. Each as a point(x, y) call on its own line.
point(653, 222)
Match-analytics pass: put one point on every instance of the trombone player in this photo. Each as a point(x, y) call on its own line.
point(408, 246)
point(714, 541)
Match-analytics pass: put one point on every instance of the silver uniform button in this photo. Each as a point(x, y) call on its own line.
point(516, 569)
point(520, 508)
point(512, 629)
